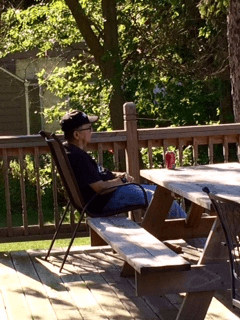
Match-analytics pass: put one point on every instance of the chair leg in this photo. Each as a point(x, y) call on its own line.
point(57, 230)
point(71, 242)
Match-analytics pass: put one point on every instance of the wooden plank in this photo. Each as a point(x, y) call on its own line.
point(155, 213)
point(238, 148)
point(116, 156)
point(188, 131)
point(225, 149)
point(82, 280)
point(145, 308)
point(218, 310)
point(56, 291)
point(38, 187)
point(210, 150)
point(130, 126)
point(3, 313)
point(138, 247)
point(97, 280)
point(48, 231)
point(96, 240)
point(189, 181)
point(200, 278)
point(12, 292)
point(195, 151)
point(33, 289)
point(100, 154)
point(23, 192)
point(7, 193)
point(54, 189)
point(195, 306)
point(165, 145)
point(194, 216)
point(177, 229)
point(136, 306)
point(150, 156)
point(213, 252)
point(180, 151)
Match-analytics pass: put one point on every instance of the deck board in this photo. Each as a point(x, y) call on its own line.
point(33, 289)
point(88, 288)
point(13, 296)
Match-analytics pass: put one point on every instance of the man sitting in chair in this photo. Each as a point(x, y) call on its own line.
point(91, 178)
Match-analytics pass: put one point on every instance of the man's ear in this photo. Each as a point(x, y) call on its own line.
point(76, 135)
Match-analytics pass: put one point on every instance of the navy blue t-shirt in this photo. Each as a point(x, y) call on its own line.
point(86, 172)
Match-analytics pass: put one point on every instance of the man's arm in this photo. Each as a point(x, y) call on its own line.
point(101, 185)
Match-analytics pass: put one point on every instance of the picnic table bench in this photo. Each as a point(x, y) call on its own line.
point(141, 250)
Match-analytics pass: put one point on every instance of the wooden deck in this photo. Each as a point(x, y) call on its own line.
point(88, 288)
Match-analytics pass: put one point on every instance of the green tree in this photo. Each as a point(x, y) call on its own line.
point(215, 12)
point(133, 47)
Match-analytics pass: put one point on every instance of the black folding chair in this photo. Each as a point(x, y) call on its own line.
point(75, 198)
point(229, 215)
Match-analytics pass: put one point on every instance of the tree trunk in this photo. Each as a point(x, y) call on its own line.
point(111, 62)
point(226, 107)
point(116, 108)
point(107, 54)
point(234, 54)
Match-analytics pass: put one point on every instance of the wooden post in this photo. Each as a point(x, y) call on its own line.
point(130, 126)
point(132, 152)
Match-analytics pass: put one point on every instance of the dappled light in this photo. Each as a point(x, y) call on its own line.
point(89, 286)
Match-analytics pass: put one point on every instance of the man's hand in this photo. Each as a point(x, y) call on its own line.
point(124, 175)
point(100, 186)
point(127, 177)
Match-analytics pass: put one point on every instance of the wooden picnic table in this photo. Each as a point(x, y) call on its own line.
point(187, 182)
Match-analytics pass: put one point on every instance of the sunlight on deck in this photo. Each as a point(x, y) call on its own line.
point(89, 287)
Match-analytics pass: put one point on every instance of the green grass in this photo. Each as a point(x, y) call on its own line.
point(44, 244)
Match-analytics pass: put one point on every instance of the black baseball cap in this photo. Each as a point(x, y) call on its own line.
point(75, 119)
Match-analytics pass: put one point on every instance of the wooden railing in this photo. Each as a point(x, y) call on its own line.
point(131, 139)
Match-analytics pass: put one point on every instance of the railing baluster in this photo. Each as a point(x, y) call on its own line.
point(238, 148)
point(225, 149)
point(165, 146)
point(195, 151)
point(150, 155)
point(7, 192)
point(23, 192)
point(131, 141)
point(100, 154)
point(38, 189)
point(180, 151)
point(116, 156)
point(54, 189)
point(210, 150)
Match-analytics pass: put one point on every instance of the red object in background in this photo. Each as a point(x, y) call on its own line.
point(170, 160)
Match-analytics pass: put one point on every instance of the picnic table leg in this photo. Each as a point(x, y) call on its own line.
point(195, 304)
point(194, 216)
point(154, 218)
point(157, 211)
point(127, 270)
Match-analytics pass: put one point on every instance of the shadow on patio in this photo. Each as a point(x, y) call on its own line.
point(89, 287)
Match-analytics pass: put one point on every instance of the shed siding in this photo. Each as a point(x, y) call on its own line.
point(12, 106)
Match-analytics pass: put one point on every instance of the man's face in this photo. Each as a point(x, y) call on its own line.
point(85, 131)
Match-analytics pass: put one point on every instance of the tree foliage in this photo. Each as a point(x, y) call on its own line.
point(168, 56)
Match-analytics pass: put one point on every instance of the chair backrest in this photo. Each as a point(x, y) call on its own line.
point(229, 215)
point(64, 169)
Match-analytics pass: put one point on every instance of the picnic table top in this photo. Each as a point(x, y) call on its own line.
point(222, 179)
